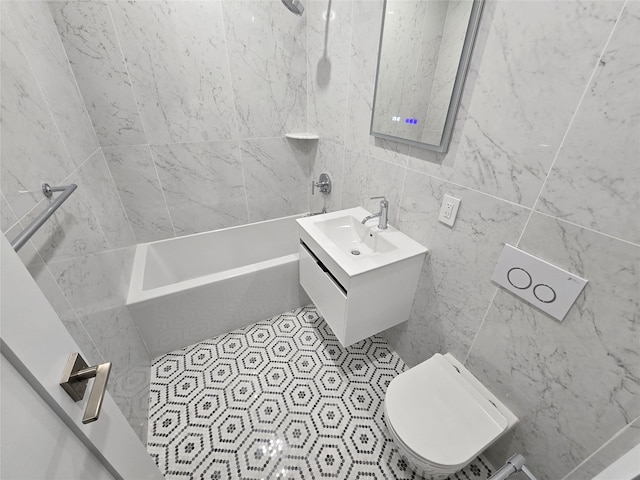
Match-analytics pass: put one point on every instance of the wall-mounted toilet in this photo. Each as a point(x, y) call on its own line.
point(441, 417)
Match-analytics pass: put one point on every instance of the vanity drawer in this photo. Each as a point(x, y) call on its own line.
point(327, 294)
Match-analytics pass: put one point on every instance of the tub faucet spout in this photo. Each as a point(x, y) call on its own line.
point(321, 212)
point(382, 214)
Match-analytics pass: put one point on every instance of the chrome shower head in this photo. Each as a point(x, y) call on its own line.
point(294, 6)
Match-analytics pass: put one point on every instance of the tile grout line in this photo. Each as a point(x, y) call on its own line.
point(142, 122)
point(532, 209)
point(95, 136)
point(244, 183)
point(601, 447)
point(126, 69)
point(403, 164)
point(195, 142)
point(344, 161)
point(573, 117)
point(164, 196)
point(75, 82)
point(400, 197)
point(75, 313)
point(45, 199)
point(77, 168)
point(308, 97)
point(17, 222)
point(629, 242)
point(484, 318)
point(348, 93)
point(524, 207)
point(308, 79)
point(459, 185)
point(92, 210)
point(40, 90)
point(84, 103)
point(124, 210)
point(60, 138)
point(238, 140)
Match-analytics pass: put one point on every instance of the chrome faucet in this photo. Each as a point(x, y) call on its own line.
point(383, 213)
point(324, 185)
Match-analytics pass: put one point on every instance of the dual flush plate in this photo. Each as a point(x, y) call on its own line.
point(543, 285)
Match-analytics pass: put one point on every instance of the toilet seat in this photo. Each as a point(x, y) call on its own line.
point(419, 463)
point(439, 417)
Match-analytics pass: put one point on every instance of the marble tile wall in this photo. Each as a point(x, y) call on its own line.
point(81, 258)
point(190, 102)
point(544, 156)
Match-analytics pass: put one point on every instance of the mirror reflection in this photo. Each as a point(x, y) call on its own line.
point(424, 53)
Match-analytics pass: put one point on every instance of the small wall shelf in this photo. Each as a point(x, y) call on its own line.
point(303, 136)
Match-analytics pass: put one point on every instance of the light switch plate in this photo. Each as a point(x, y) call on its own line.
point(449, 210)
point(543, 285)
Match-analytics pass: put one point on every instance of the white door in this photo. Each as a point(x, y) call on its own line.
point(36, 343)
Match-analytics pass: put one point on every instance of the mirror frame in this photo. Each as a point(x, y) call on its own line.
point(458, 86)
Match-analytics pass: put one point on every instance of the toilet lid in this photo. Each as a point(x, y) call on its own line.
point(439, 415)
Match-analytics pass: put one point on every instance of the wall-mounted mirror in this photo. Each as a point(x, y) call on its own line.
point(425, 48)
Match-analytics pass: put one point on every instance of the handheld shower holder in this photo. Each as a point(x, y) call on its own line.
point(294, 6)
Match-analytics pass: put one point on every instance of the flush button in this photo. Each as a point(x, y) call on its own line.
point(544, 293)
point(519, 278)
point(543, 285)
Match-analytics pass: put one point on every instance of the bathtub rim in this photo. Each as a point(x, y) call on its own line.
point(136, 295)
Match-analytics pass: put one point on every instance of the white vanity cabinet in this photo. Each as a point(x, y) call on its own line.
point(358, 305)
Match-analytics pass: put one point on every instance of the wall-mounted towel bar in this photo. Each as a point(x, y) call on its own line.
point(33, 227)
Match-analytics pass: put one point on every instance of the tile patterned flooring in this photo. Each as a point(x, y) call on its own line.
point(278, 399)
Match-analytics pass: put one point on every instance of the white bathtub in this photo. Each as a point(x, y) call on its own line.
point(188, 289)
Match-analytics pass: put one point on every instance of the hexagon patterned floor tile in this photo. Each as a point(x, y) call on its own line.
point(280, 399)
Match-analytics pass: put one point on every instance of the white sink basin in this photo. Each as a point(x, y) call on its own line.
point(355, 247)
point(351, 236)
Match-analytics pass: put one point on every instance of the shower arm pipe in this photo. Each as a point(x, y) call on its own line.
point(33, 227)
point(514, 464)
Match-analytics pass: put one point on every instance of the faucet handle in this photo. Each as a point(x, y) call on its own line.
point(324, 184)
point(384, 199)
